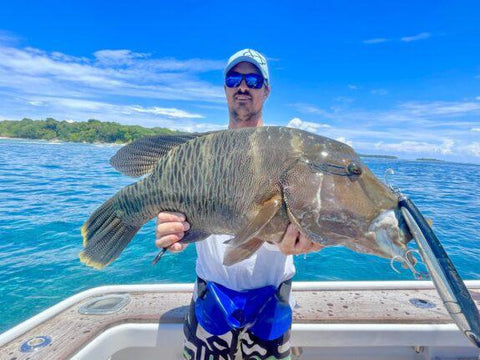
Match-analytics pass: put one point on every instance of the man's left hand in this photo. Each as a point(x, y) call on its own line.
point(295, 243)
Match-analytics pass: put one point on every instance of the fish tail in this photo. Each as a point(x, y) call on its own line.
point(105, 236)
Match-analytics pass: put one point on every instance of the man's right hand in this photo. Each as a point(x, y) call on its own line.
point(170, 228)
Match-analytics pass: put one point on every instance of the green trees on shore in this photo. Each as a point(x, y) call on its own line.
point(90, 131)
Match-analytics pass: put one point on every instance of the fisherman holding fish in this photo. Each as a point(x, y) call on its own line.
point(251, 183)
point(248, 182)
point(243, 309)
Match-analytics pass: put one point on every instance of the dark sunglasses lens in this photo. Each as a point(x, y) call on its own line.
point(233, 80)
point(254, 81)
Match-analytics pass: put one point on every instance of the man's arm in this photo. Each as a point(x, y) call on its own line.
point(171, 228)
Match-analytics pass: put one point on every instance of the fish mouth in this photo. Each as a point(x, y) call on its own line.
point(390, 234)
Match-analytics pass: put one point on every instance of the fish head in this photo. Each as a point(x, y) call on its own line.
point(347, 205)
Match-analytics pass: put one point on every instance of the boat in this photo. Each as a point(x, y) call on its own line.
point(331, 320)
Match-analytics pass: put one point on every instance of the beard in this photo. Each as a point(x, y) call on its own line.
point(244, 115)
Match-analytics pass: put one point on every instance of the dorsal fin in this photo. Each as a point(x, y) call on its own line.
point(140, 156)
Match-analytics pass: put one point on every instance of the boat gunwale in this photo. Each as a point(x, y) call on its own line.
point(56, 309)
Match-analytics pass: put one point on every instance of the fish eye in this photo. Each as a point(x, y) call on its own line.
point(354, 169)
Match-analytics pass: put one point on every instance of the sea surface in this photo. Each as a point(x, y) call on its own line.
point(47, 191)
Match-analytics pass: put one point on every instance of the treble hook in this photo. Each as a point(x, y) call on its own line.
point(409, 264)
point(393, 260)
point(406, 260)
point(395, 189)
point(387, 172)
point(414, 251)
point(419, 275)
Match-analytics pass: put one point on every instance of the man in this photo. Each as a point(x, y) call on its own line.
point(225, 329)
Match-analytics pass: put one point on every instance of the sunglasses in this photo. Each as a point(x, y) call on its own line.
point(253, 81)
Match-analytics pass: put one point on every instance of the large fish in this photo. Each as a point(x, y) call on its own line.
point(249, 183)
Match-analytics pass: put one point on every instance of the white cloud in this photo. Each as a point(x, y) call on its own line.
point(380, 92)
point(203, 127)
point(352, 87)
point(421, 36)
point(56, 55)
point(375, 41)
point(35, 103)
point(421, 129)
point(109, 85)
point(7, 38)
point(71, 103)
point(118, 57)
point(446, 147)
point(473, 149)
point(306, 125)
point(310, 109)
point(169, 112)
point(81, 109)
point(112, 72)
point(440, 107)
point(475, 129)
point(345, 140)
point(344, 99)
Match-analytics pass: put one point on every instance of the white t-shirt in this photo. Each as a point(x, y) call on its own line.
point(267, 266)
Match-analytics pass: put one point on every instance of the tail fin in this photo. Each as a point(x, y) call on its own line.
point(104, 236)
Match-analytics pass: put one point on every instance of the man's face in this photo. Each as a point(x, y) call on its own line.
point(245, 104)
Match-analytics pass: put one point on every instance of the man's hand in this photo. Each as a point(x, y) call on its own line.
point(294, 243)
point(170, 228)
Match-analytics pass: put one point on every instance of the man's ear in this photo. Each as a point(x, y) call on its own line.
point(266, 91)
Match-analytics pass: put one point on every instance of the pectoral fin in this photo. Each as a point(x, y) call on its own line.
point(267, 211)
point(235, 254)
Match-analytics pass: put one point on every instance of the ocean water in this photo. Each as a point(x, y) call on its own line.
point(47, 191)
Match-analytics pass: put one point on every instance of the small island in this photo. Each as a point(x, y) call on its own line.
point(429, 160)
point(91, 131)
point(378, 156)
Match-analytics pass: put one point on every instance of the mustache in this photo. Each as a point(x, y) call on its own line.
point(240, 92)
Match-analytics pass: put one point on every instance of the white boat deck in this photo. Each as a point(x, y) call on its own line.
point(332, 320)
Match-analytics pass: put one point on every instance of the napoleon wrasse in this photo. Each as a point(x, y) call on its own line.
point(249, 183)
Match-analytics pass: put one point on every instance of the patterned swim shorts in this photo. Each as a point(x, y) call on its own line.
point(233, 345)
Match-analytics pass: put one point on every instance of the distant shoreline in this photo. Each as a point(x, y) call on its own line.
point(110, 133)
point(92, 131)
point(57, 141)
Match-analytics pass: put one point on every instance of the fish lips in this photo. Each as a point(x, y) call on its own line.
point(390, 232)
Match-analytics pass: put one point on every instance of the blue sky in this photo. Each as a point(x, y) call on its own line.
point(386, 78)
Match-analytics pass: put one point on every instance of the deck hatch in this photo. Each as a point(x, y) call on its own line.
point(105, 305)
point(422, 303)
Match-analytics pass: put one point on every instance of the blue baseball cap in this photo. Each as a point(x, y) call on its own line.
point(251, 56)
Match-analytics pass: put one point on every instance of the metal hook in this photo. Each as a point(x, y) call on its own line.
point(414, 251)
point(387, 172)
point(393, 260)
point(411, 266)
point(419, 275)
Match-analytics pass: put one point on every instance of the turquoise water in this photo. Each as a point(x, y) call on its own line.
point(48, 190)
